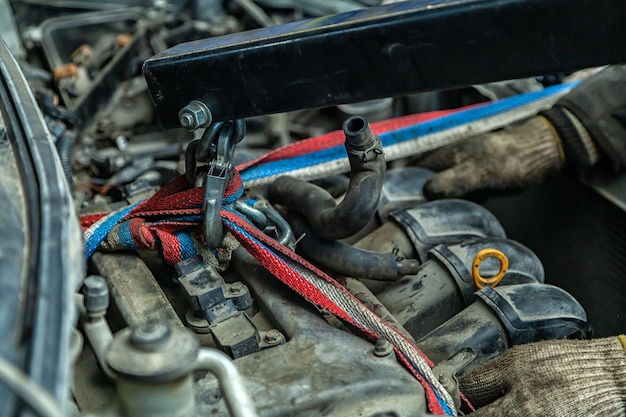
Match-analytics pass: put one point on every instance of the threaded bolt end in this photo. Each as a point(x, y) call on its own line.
point(195, 115)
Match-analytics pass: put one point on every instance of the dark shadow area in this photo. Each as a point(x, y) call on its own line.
point(580, 238)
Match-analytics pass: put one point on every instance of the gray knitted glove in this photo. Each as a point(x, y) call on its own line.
point(509, 159)
point(564, 378)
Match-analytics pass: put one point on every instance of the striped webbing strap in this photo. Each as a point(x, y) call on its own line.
point(164, 221)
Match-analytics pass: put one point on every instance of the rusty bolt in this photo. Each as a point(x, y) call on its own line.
point(123, 39)
point(195, 115)
point(382, 347)
point(273, 336)
point(237, 288)
point(82, 54)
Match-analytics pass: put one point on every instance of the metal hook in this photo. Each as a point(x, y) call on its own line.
point(283, 229)
point(214, 187)
point(190, 161)
point(206, 145)
point(218, 146)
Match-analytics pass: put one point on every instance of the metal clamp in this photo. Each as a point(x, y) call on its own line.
point(368, 154)
point(217, 147)
point(214, 187)
point(284, 234)
point(255, 215)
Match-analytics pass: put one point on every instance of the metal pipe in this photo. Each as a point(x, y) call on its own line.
point(231, 383)
point(328, 219)
point(100, 336)
point(283, 229)
point(258, 218)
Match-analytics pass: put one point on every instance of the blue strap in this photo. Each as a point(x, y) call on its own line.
point(405, 134)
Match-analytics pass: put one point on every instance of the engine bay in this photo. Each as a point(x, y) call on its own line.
point(252, 245)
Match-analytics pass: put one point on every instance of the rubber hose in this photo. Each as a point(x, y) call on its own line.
point(64, 148)
point(336, 185)
point(367, 173)
point(347, 260)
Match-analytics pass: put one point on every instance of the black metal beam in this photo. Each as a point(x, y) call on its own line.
point(384, 51)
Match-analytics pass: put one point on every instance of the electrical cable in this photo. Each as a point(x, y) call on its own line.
point(40, 401)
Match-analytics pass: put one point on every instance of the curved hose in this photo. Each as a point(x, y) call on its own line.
point(64, 149)
point(344, 259)
point(329, 220)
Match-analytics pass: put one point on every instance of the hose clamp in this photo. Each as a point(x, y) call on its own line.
point(368, 154)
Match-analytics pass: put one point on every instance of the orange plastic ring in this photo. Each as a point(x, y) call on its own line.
point(481, 281)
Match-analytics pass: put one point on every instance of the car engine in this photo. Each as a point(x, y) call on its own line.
point(215, 207)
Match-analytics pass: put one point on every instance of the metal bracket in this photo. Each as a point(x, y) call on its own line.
point(214, 187)
point(217, 147)
point(384, 51)
point(222, 305)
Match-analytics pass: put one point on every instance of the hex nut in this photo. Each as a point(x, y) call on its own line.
point(273, 336)
point(237, 288)
point(195, 115)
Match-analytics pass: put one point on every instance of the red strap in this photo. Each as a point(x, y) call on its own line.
point(177, 198)
point(87, 220)
point(296, 282)
point(467, 402)
point(337, 138)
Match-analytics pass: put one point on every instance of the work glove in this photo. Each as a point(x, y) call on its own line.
point(564, 378)
point(504, 160)
point(584, 126)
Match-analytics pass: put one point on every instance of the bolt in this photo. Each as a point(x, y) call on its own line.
point(186, 120)
point(273, 336)
point(32, 34)
point(96, 295)
point(220, 308)
point(195, 115)
point(383, 348)
point(122, 143)
point(449, 384)
point(150, 336)
point(237, 288)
